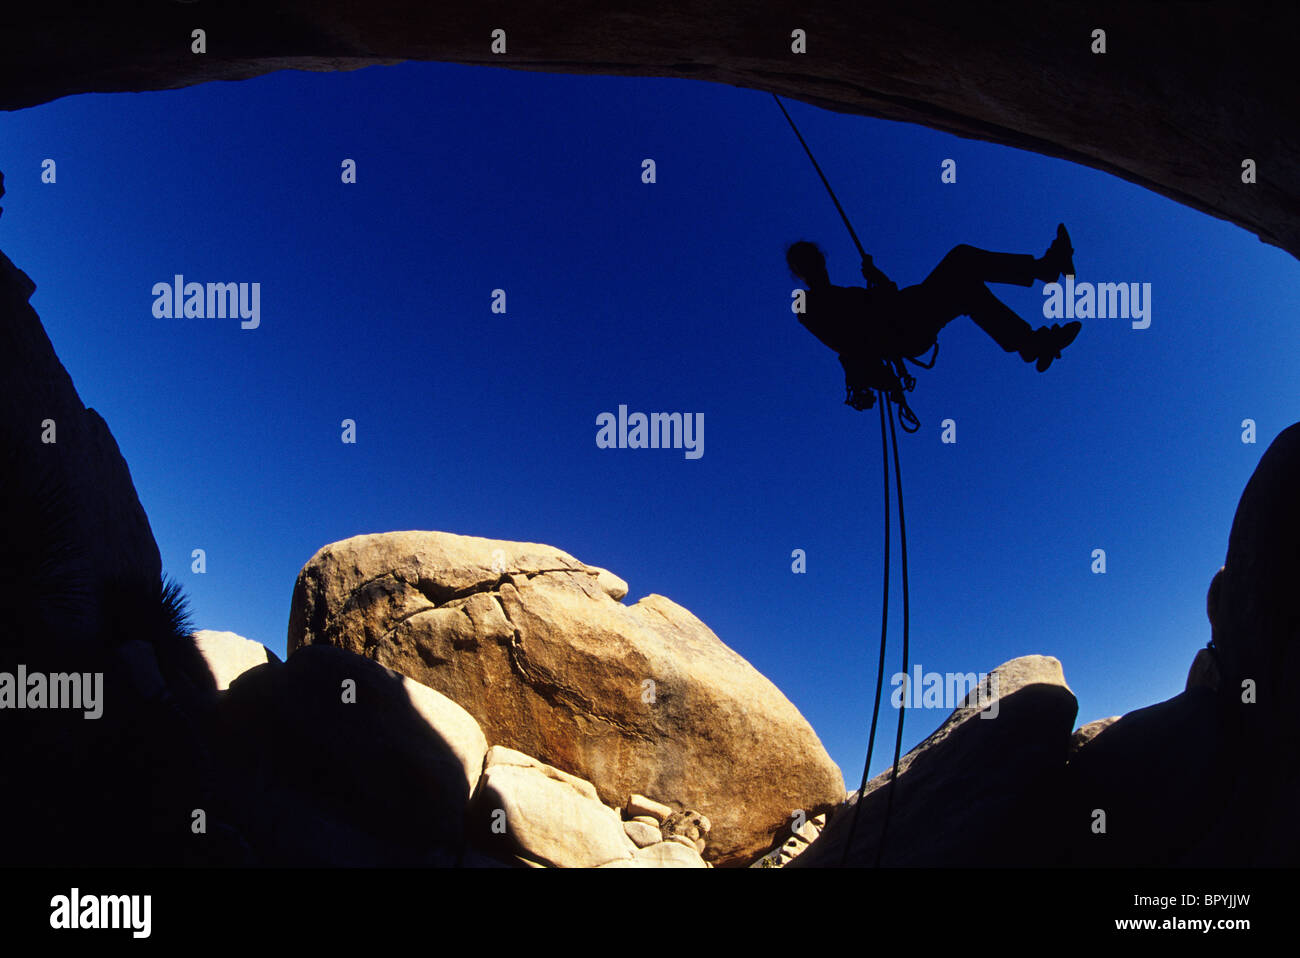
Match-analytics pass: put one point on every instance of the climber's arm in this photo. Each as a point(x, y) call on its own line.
point(874, 276)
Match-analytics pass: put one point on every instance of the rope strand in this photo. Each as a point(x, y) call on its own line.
point(902, 711)
point(884, 631)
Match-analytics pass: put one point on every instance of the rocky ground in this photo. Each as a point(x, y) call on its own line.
point(456, 701)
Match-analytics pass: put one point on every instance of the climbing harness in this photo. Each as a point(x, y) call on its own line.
point(866, 383)
point(862, 380)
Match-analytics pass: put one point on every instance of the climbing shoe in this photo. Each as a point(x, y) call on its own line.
point(1059, 259)
point(1050, 342)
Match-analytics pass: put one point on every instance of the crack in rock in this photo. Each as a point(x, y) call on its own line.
point(441, 597)
point(555, 692)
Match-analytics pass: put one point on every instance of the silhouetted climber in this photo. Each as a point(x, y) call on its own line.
point(874, 328)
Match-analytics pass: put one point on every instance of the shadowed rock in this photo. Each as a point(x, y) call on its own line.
point(386, 765)
point(1254, 614)
point(978, 792)
point(60, 465)
point(1212, 776)
point(1159, 776)
point(81, 593)
point(1255, 622)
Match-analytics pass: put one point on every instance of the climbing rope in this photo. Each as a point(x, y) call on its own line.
point(902, 710)
point(825, 182)
point(884, 630)
point(906, 418)
point(860, 398)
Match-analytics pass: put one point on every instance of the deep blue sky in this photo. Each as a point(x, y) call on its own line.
point(665, 297)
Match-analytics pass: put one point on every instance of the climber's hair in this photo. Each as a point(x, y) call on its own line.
point(804, 258)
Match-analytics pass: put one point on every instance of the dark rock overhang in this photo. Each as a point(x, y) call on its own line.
point(1184, 93)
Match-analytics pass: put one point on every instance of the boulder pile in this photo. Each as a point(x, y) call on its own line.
point(636, 699)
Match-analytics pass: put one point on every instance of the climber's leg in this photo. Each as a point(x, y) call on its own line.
point(970, 264)
point(997, 319)
point(967, 264)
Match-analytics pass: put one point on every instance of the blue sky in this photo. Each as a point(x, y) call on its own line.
point(672, 296)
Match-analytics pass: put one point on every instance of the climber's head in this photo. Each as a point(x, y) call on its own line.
point(807, 263)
